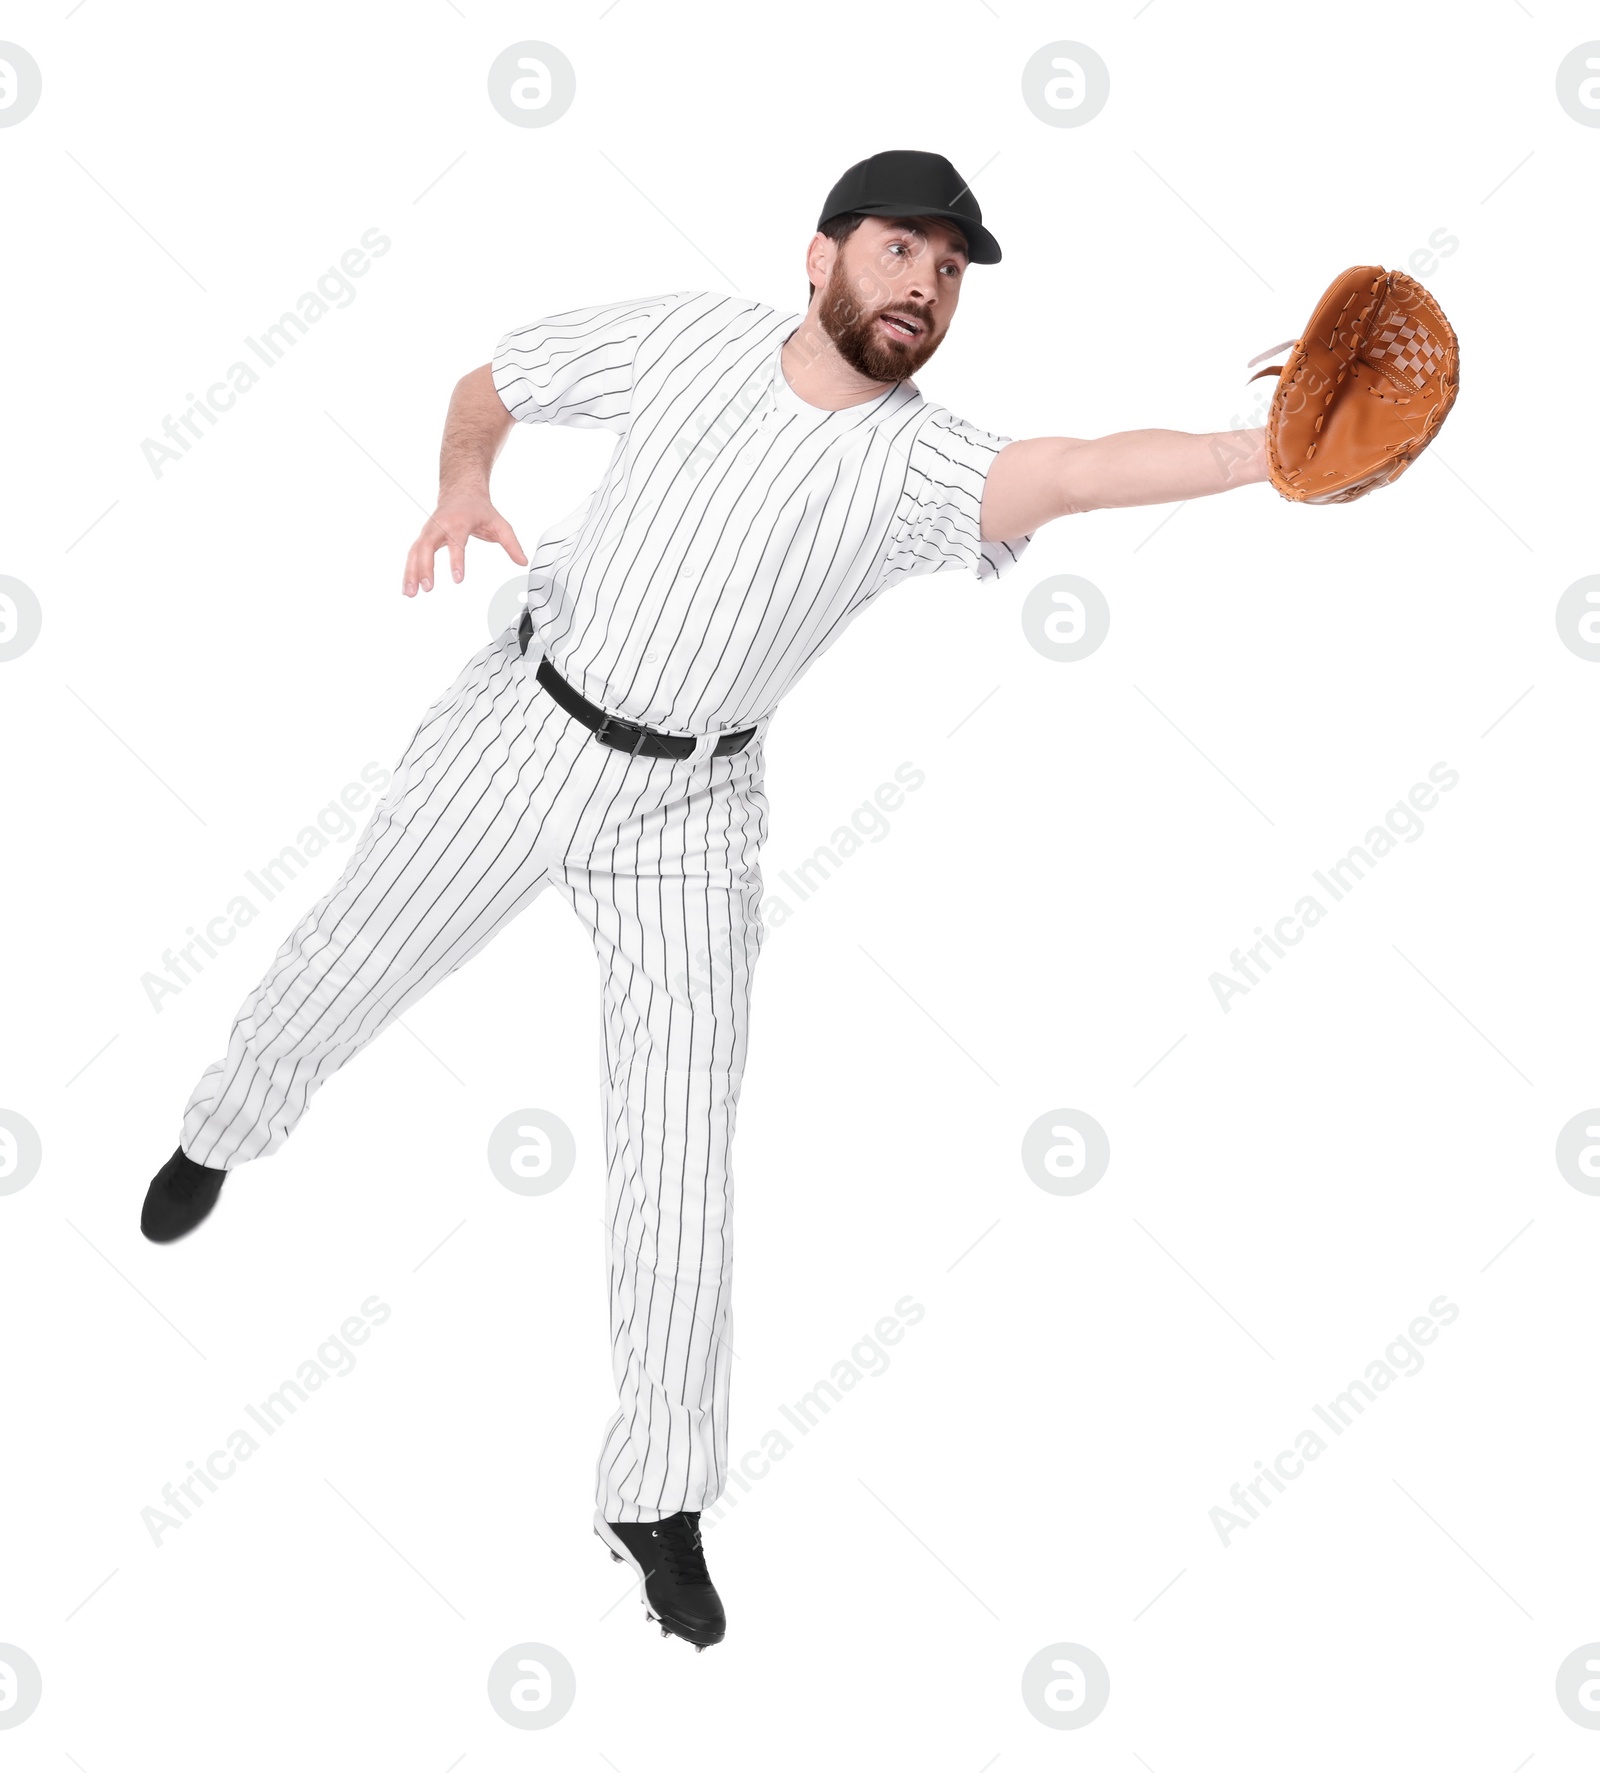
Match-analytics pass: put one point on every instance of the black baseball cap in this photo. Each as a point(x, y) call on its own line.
point(907, 182)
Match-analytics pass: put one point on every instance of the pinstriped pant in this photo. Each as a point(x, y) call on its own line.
point(499, 794)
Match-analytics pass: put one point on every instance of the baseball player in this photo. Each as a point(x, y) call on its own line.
point(773, 473)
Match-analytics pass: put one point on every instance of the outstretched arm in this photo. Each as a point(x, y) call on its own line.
point(474, 429)
point(1039, 478)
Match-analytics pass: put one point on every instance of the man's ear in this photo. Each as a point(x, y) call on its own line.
point(818, 262)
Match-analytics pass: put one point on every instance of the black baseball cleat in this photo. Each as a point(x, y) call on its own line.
point(181, 1195)
point(674, 1583)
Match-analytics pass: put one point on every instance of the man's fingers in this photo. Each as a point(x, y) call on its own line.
point(413, 570)
point(424, 551)
point(419, 562)
point(422, 574)
point(506, 536)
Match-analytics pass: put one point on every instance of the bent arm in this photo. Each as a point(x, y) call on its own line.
point(1039, 478)
point(475, 427)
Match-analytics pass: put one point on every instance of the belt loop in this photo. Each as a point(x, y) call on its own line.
point(705, 744)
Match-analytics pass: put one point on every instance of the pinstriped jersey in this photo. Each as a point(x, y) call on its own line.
point(738, 528)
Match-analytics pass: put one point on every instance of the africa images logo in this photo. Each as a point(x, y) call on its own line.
point(334, 289)
point(1401, 824)
point(334, 1359)
point(1401, 1359)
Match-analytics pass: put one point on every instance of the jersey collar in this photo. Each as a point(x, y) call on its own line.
point(785, 401)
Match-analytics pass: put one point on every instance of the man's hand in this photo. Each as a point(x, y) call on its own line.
point(475, 427)
point(460, 515)
point(1037, 479)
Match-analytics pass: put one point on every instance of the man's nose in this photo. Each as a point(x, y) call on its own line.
point(919, 286)
point(914, 288)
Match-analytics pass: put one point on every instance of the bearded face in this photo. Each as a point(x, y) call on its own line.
point(881, 335)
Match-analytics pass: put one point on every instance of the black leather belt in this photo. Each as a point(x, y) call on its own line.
point(620, 735)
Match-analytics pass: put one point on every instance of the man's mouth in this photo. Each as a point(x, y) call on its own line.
point(901, 326)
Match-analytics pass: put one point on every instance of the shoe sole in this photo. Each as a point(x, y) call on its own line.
point(621, 1555)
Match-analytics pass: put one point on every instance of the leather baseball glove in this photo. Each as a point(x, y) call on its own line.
point(1363, 390)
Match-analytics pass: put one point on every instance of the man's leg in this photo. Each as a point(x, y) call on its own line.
point(671, 887)
point(451, 853)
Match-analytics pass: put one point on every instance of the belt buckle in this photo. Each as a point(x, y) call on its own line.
point(610, 725)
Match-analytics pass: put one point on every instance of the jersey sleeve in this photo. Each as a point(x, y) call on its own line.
point(937, 524)
point(576, 368)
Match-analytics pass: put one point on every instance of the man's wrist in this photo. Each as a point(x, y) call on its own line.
point(1241, 456)
point(468, 487)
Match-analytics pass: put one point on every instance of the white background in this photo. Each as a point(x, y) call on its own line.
point(224, 648)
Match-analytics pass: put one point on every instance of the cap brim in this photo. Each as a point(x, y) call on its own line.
point(982, 247)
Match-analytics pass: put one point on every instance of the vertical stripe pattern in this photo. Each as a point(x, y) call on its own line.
point(737, 529)
point(735, 533)
point(499, 795)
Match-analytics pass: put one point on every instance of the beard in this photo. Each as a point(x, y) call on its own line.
point(862, 342)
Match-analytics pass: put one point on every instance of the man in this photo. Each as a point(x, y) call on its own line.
point(773, 473)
